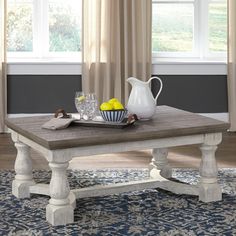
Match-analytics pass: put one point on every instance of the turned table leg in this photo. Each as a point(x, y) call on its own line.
point(59, 211)
point(160, 162)
point(23, 168)
point(209, 189)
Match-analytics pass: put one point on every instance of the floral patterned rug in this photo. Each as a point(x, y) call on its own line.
point(148, 212)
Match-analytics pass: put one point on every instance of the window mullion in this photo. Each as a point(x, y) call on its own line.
point(203, 28)
point(36, 27)
point(196, 28)
point(44, 28)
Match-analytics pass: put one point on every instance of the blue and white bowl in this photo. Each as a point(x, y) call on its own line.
point(113, 115)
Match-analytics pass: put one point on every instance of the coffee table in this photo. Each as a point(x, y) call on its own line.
point(170, 127)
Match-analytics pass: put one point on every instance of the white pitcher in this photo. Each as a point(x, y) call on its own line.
point(141, 101)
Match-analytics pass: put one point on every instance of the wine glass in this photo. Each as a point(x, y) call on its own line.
point(80, 103)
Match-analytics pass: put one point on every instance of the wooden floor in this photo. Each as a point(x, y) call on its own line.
point(187, 156)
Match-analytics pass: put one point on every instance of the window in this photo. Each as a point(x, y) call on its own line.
point(189, 28)
point(20, 26)
point(217, 26)
point(44, 28)
point(181, 28)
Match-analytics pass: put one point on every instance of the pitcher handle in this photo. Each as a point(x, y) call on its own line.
point(161, 85)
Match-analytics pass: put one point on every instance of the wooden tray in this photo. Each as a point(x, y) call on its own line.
point(104, 124)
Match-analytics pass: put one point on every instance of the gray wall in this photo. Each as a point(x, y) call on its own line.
point(42, 93)
point(196, 93)
point(46, 93)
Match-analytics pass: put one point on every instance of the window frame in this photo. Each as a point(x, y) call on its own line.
point(48, 64)
point(200, 36)
point(41, 27)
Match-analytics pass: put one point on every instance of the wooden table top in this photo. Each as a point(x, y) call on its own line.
point(167, 122)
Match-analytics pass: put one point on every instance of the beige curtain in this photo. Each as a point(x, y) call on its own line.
point(232, 63)
point(116, 45)
point(2, 64)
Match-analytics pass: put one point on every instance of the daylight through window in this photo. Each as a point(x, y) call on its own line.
point(44, 28)
point(180, 28)
point(189, 28)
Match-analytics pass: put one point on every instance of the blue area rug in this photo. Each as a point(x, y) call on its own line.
point(149, 212)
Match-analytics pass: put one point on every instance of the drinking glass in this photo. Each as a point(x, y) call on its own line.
point(91, 106)
point(80, 103)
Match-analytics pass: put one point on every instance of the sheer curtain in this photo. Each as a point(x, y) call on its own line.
point(116, 45)
point(2, 64)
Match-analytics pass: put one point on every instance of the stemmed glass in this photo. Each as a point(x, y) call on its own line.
point(80, 103)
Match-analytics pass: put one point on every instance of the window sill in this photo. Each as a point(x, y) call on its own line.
point(35, 67)
point(160, 67)
point(189, 66)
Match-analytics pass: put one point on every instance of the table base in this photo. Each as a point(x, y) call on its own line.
point(60, 210)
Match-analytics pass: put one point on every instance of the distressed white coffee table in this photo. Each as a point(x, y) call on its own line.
point(169, 128)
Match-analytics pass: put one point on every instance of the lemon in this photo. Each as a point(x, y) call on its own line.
point(113, 100)
point(81, 98)
point(106, 106)
point(118, 106)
